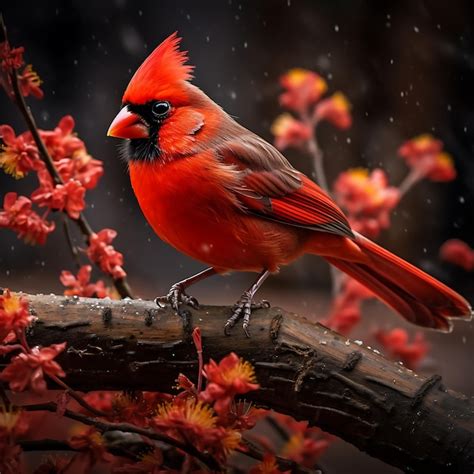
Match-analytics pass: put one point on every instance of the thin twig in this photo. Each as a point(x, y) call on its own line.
point(278, 428)
point(45, 445)
point(76, 396)
point(72, 246)
point(41, 445)
point(104, 426)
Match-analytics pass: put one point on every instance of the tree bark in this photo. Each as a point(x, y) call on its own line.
point(304, 370)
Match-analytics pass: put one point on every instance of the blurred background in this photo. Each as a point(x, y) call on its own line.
point(407, 67)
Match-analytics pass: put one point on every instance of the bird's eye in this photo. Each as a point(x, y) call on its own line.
point(161, 109)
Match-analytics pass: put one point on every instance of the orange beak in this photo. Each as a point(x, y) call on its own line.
point(127, 125)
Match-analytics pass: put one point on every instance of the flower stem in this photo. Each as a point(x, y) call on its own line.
point(409, 181)
point(318, 164)
point(76, 396)
point(320, 175)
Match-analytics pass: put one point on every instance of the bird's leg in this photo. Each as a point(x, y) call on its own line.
point(243, 308)
point(177, 294)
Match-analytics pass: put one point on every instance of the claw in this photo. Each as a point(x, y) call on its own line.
point(243, 309)
point(176, 297)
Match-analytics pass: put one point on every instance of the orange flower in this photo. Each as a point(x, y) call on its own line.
point(367, 198)
point(442, 168)
point(459, 253)
point(30, 83)
point(289, 132)
point(397, 344)
point(92, 448)
point(336, 110)
point(137, 407)
point(13, 425)
point(303, 88)
point(305, 450)
point(232, 376)
point(421, 145)
point(267, 466)
point(425, 156)
point(18, 154)
point(14, 314)
point(195, 422)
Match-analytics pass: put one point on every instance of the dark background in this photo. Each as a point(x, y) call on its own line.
point(406, 66)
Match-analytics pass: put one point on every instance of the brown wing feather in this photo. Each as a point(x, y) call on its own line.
point(270, 187)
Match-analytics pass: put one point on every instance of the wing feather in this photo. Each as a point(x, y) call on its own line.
point(269, 186)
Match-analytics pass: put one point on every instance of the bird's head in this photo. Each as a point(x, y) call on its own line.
point(162, 112)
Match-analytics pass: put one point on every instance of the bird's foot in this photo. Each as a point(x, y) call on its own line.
point(243, 309)
point(177, 297)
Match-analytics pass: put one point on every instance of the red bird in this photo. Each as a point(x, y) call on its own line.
point(222, 195)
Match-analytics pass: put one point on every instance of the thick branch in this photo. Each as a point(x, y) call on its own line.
point(304, 370)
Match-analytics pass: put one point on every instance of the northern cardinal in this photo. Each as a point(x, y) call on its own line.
point(222, 195)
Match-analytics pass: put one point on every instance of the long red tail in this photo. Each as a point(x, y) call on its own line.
point(418, 297)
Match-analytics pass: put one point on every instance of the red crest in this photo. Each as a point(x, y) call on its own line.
point(162, 75)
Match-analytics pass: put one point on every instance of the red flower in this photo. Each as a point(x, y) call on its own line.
point(194, 422)
point(267, 466)
point(232, 376)
point(27, 370)
point(81, 167)
point(18, 216)
point(80, 285)
point(425, 156)
point(346, 311)
point(14, 315)
point(30, 83)
point(397, 344)
point(336, 110)
point(18, 154)
point(305, 450)
point(62, 142)
point(367, 198)
point(137, 407)
point(101, 252)
point(13, 425)
point(303, 88)
point(92, 449)
point(242, 416)
point(459, 253)
point(67, 197)
point(419, 146)
point(10, 58)
point(305, 444)
point(289, 132)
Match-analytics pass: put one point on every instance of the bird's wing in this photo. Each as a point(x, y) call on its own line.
point(270, 187)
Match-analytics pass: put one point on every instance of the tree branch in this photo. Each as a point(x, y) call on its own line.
point(304, 370)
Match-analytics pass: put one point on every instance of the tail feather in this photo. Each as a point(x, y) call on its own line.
point(417, 296)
